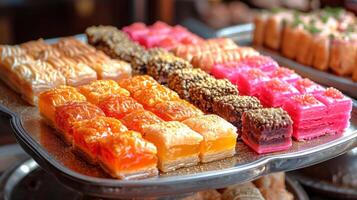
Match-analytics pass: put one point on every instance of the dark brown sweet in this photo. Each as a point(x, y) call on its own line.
point(162, 64)
point(267, 125)
point(203, 93)
point(181, 80)
point(117, 45)
point(232, 107)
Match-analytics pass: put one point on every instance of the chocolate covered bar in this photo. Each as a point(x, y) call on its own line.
point(232, 107)
point(267, 130)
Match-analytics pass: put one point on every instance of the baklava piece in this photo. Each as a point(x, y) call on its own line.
point(128, 156)
point(232, 107)
point(267, 130)
point(101, 89)
point(119, 106)
point(89, 134)
point(67, 114)
point(49, 100)
point(138, 119)
point(76, 73)
point(178, 145)
point(178, 110)
point(219, 137)
point(138, 83)
point(151, 96)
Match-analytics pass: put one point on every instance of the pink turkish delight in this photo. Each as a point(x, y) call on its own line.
point(285, 74)
point(306, 86)
point(249, 81)
point(275, 92)
point(265, 63)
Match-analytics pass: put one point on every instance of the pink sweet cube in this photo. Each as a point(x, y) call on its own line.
point(136, 30)
point(285, 74)
point(227, 70)
point(250, 80)
point(275, 92)
point(167, 43)
point(151, 39)
point(306, 86)
point(160, 27)
point(264, 63)
point(335, 101)
point(308, 115)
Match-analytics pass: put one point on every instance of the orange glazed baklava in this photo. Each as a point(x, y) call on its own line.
point(88, 134)
point(136, 120)
point(148, 97)
point(67, 114)
point(177, 110)
point(178, 145)
point(138, 83)
point(50, 99)
point(128, 156)
point(70, 46)
point(101, 89)
point(219, 137)
point(119, 106)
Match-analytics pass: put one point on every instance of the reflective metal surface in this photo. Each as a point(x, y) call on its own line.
point(53, 155)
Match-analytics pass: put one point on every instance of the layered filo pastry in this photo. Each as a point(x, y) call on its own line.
point(35, 47)
point(29, 77)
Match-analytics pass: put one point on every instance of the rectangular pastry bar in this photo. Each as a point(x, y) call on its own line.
point(219, 137)
point(128, 156)
point(181, 80)
point(160, 66)
point(178, 145)
point(67, 114)
point(138, 119)
point(50, 99)
point(232, 107)
point(137, 83)
point(101, 89)
point(275, 92)
point(119, 106)
point(89, 134)
point(177, 110)
point(267, 130)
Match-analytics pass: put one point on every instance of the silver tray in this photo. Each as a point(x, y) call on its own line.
point(242, 34)
point(40, 142)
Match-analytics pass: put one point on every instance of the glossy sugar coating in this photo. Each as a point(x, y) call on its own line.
point(275, 92)
point(128, 154)
point(156, 94)
point(267, 130)
point(88, 134)
point(250, 81)
point(136, 120)
point(101, 89)
point(70, 113)
point(232, 107)
point(119, 106)
point(136, 83)
point(306, 86)
point(181, 80)
point(285, 74)
point(177, 110)
point(160, 66)
point(203, 93)
point(49, 100)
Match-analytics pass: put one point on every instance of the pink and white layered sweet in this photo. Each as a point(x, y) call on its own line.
point(275, 92)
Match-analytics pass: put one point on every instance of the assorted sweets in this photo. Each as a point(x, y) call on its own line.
point(324, 39)
point(35, 66)
point(134, 134)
